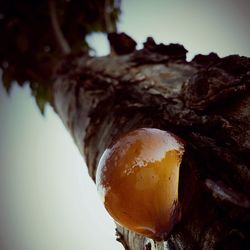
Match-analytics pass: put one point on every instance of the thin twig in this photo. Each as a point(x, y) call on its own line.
point(108, 22)
point(59, 37)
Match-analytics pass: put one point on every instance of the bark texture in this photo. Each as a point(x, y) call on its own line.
point(206, 102)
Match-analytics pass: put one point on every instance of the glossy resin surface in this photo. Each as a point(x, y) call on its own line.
point(137, 178)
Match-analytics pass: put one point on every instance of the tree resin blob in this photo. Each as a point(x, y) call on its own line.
point(137, 178)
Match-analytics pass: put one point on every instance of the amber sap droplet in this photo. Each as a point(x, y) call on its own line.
point(138, 177)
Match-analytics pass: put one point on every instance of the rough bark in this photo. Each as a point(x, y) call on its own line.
point(206, 102)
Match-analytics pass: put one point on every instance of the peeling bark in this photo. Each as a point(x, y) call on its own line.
point(206, 102)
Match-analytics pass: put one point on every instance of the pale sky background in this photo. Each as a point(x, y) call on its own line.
point(47, 200)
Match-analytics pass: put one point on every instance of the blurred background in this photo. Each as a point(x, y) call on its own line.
point(47, 200)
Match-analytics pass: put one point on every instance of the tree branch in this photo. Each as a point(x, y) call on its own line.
point(206, 102)
point(59, 37)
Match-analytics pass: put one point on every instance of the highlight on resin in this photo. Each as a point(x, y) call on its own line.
point(137, 178)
